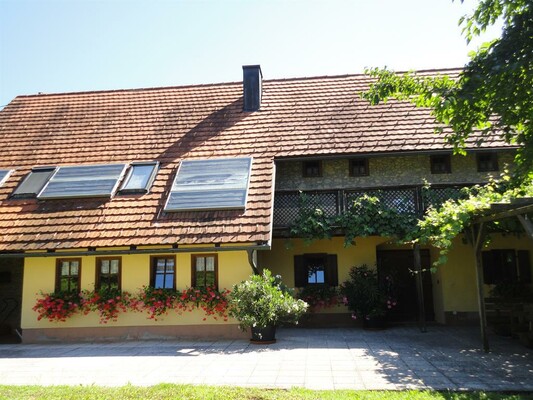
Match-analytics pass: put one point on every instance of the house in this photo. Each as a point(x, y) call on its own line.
point(187, 186)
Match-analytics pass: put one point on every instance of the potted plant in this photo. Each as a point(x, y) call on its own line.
point(367, 298)
point(262, 303)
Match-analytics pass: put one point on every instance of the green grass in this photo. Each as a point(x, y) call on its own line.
point(187, 392)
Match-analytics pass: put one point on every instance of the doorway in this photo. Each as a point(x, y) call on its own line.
point(399, 264)
point(11, 271)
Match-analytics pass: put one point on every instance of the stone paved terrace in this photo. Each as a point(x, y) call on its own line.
point(397, 358)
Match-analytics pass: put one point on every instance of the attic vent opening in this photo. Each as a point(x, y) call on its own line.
point(252, 87)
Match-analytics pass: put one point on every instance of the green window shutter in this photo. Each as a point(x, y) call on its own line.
point(332, 276)
point(524, 266)
point(300, 271)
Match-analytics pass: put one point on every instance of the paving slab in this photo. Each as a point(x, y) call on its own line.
point(397, 358)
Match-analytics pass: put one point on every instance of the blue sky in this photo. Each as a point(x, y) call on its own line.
point(65, 46)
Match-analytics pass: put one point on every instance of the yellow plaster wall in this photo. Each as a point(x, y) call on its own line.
point(39, 275)
point(454, 283)
point(280, 260)
point(459, 274)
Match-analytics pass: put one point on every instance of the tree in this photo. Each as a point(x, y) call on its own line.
point(492, 95)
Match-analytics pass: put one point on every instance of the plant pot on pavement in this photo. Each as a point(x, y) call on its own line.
point(377, 323)
point(266, 335)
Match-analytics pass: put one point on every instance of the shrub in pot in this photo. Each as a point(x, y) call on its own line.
point(366, 297)
point(262, 303)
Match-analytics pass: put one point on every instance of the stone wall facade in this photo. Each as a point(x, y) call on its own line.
point(384, 171)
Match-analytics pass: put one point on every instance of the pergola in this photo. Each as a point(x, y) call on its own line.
point(520, 208)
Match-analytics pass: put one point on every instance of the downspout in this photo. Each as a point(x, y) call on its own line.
point(252, 259)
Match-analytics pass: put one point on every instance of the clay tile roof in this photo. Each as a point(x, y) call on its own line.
point(298, 118)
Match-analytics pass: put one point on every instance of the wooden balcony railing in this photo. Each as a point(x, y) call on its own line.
point(413, 199)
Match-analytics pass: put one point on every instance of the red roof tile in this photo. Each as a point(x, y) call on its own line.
point(298, 117)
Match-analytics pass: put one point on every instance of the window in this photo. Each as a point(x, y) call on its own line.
point(4, 174)
point(163, 272)
point(204, 270)
point(487, 162)
point(315, 269)
point(506, 266)
point(83, 181)
point(140, 177)
point(312, 169)
point(440, 164)
point(359, 167)
point(217, 184)
point(34, 182)
point(108, 273)
point(68, 272)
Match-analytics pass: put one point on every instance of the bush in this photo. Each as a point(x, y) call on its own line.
point(365, 296)
point(263, 301)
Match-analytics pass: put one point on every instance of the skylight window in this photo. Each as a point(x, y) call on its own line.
point(216, 184)
point(4, 174)
point(34, 182)
point(83, 181)
point(140, 177)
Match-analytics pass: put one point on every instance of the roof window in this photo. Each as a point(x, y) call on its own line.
point(140, 177)
point(4, 174)
point(215, 184)
point(34, 182)
point(83, 181)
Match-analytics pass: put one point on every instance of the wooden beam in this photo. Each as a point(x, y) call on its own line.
point(527, 224)
point(479, 234)
point(520, 210)
point(419, 288)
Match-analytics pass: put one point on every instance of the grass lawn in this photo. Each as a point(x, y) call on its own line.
point(168, 391)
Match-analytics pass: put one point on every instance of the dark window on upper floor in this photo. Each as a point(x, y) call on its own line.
point(312, 169)
point(315, 269)
point(487, 162)
point(506, 266)
point(68, 272)
point(440, 164)
point(163, 275)
point(359, 167)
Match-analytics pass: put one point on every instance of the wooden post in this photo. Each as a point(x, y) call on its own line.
point(419, 288)
point(478, 244)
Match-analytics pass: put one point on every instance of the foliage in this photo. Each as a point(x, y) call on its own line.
point(368, 216)
point(365, 296)
point(200, 392)
point(57, 307)
point(441, 225)
point(213, 302)
point(320, 296)
point(312, 222)
point(262, 301)
point(157, 302)
point(107, 302)
point(493, 95)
